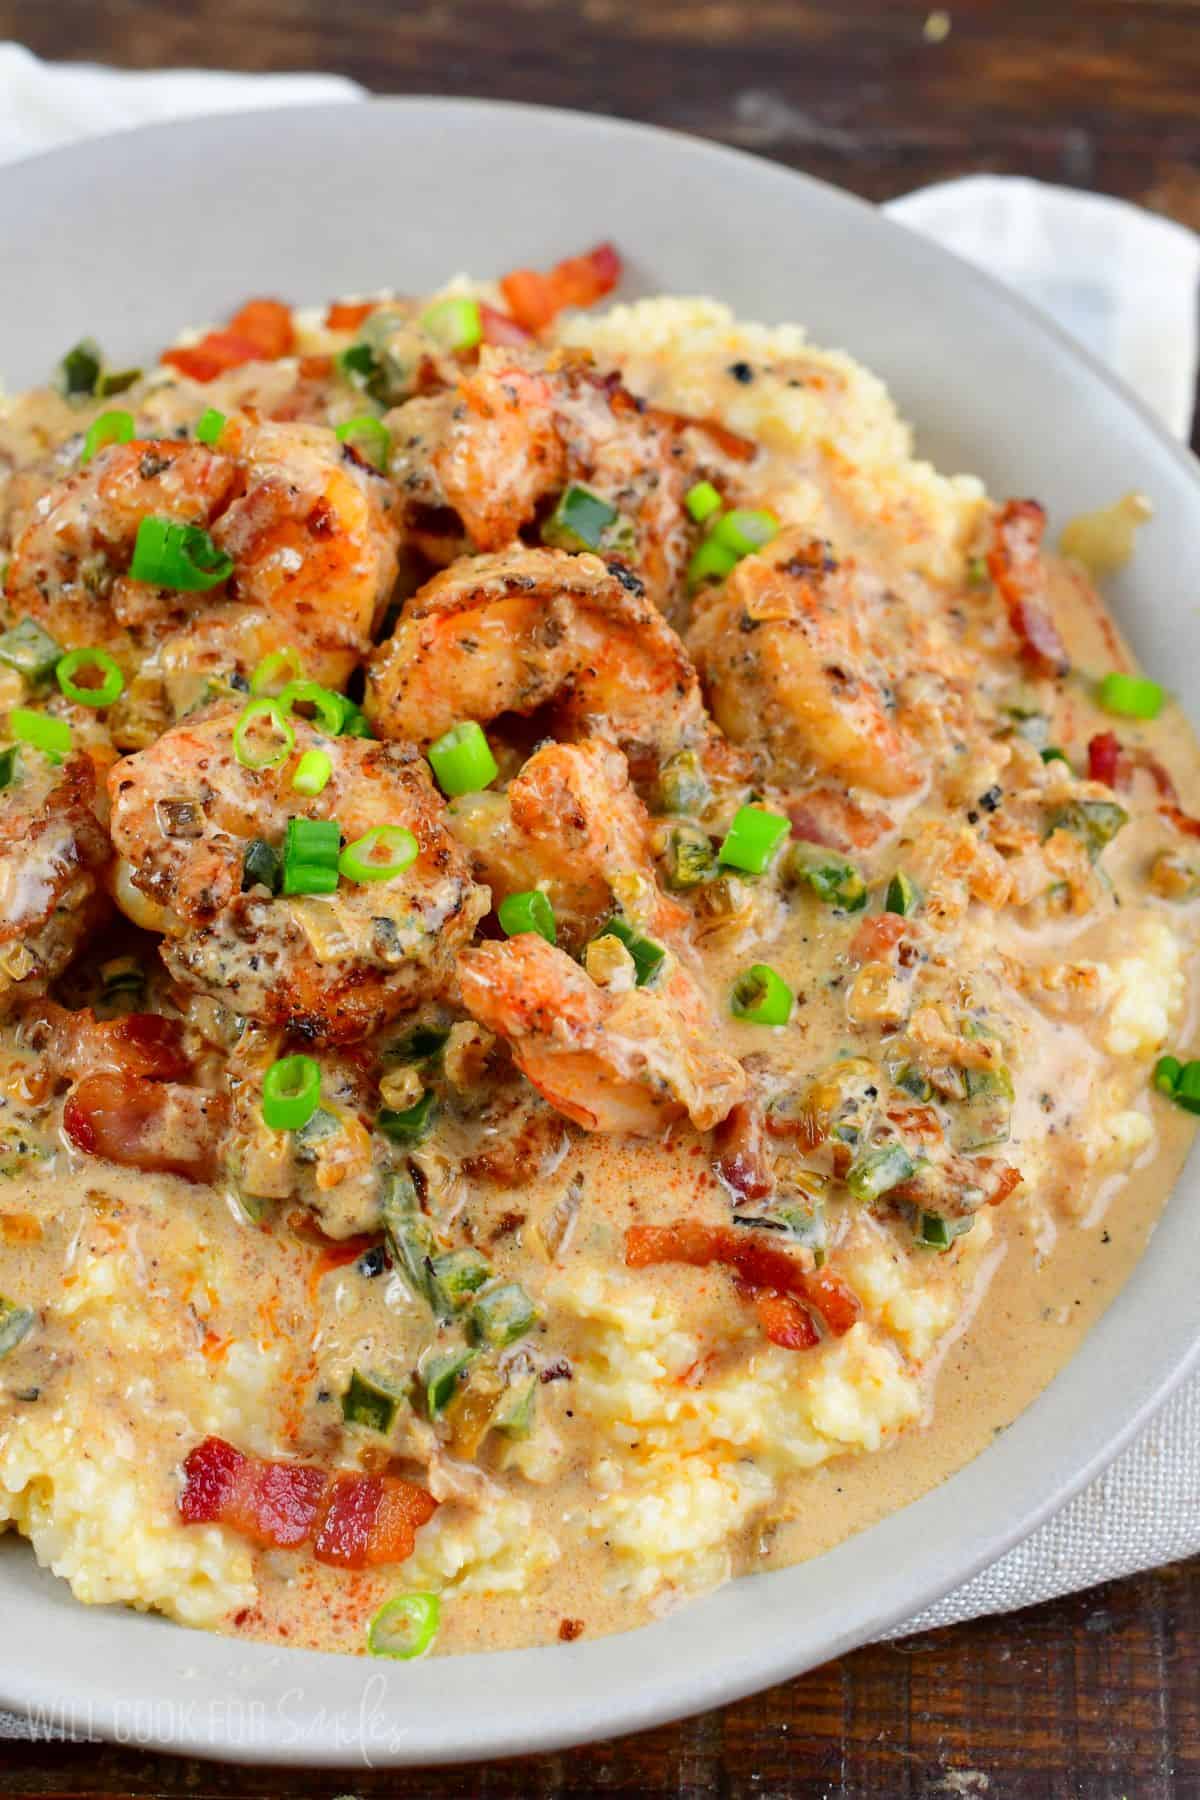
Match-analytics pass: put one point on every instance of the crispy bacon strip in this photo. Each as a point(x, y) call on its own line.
point(784, 1321)
point(162, 1127)
point(1104, 758)
point(1016, 566)
point(260, 332)
point(1111, 763)
point(760, 1267)
point(534, 298)
point(352, 1521)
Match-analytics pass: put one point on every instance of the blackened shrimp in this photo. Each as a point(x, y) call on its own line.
point(53, 854)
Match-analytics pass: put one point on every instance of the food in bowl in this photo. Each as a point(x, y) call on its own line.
point(595, 963)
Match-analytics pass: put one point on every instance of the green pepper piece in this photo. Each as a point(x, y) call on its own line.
point(16, 1322)
point(937, 1233)
point(458, 1274)
point(682, 784)
point(29, 650)
point(502, 1315)
point(370, 1402)
point(903, 896)
point(1095, 822)
point(690, 857)
point(515, 1414)
point(830, 876)
point(442, 1377)
point(878, 1171)
point(413, 1123)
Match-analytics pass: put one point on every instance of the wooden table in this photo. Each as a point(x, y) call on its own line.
point(1097, 1696)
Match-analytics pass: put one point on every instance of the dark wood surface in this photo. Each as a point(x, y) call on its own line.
point(1096, 1696)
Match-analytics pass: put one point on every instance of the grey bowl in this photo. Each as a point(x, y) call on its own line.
point(130, 238)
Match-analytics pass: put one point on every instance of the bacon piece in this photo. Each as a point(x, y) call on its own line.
point(534, 298)
point(498, 328)
point(159, 1126)
point(352, 1521)
point(1182, 821)
point(142, 1044)
point(1016, 566)
point(743, 1161)
point(1111, 763)
point(348, 315)
point(1104, 758)
point(784, 1321)
point(260, 332)
point(759, 1266)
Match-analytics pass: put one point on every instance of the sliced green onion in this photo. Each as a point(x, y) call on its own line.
point(368, 1402)
point(878, 1171)
point(354, 722)
point(357, 364)
point(312, 772)
point(110, 428)
point(903, 895)
point(1130, 696)
point(209, 425)
point(702, 500)
point(16, 1322)
point(329, 707)
point(29, 650)
point(51, 736)
point(744, 532)
point(411, 1125)
point(404, 1627)
point(9, 763)
point(291, 1092)
point(761, 997)
point(502, 1315)
point(368, 436)
point(1052, 753)
point(690, 858)
point(457, 324)
point(381, 853)
point(262, 866)
point(833, 879)
point(170, 555)
point(579, 521)
point(753, 839)
point(528, 912)
point(442, 1377)
point(310, 856)
point(278, 747)
point(457, 1275)
point(462, 760)
point(647, 955)
point(1187, 1088)
point(710, 562)
point(269, 670)
point(101, 693)
point(1167, 1071)
point(79, 370)
point(1095, 822)
point(937, 1233)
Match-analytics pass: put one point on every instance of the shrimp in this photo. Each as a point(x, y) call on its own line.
point(330, 966)
point(610, 1060)
point(521, 629)
point(783, 649)
point(53, 854)
point(306, 522)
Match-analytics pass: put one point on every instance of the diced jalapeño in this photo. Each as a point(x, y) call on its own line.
point(502, 1315)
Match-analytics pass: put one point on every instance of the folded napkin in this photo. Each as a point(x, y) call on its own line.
point(1122, 281)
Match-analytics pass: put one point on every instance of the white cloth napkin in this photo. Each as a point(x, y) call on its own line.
point(1121, 280)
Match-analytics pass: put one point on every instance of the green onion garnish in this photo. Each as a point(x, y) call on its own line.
point(209, 426)
point(710, 562)
point(261, 866)
point(51, 736)
point(456, 324)
point(410, 1125)
point(269, 670)
point(368, 436)
point(902, 895)
point(937, 1233)
point(528, 912)
point(310, 856)
point(462, 760)
point(502, 1315)
point(29, 650)
point(830, 876)
point(753, 839)
point(381, 853)
point(329, 707)
point(1167, 1071)
point(647, 955)
point(368, 1402)
point(1187, 1088)
point(743, 531)
point(579, 521)
point(170, 555)
point(1130, 696)
point(761, 997)
point(357, 363)
point(1052, 753)
point(277, 747)
point(702, 501)
point(79, 370)
point(109, 428)
point(100, 693)
point(312, 772)
point(877, 1171)
point(291, 1092)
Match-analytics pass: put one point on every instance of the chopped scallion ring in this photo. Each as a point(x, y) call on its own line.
point(99, 693)
point(702, 501)
point(171, 555)
point(456, 324)
point(369, 437)
point(711, 562)
point(404, 1627)
point(110, 428)
point(579, 521)
point(209, 426)
point(743, 531)
point(753, 839)
point(269, 670)
point(329, 707)
point(312, 772)
point(51, 736)
point(380, 853)
point(902, 895)
point(528, 912)
point(1167, 1071)
point(1130, 696)
point(291, 1093)
point(310, 856)
point(462, 760)
point(761, 997)
point(278, 745)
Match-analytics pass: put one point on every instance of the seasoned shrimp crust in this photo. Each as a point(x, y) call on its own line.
point(326, 966)
point(53, 852)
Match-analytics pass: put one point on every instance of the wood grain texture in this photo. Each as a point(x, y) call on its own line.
point(1096, 1697)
